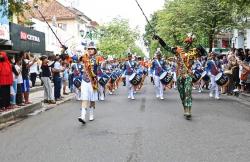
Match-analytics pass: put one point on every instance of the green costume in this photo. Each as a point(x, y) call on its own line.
point(184, 86)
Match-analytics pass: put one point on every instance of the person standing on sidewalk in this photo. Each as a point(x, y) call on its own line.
point(89, 84)
point(56, 70)
point(13, 90)
point(45, 77)
point(5, 82)
point(19, 95)
point(26, 64)
point(33, 71)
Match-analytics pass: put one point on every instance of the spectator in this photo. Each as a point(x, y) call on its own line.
point(26, 64)
point(56, 70)
point(19, 95)
point(45, 77)
point(14, 85)
point(33, 71)
point(245, 74)
point(5, 82)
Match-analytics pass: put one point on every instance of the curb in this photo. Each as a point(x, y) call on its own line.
point(240, 99)
point(26, 110)
point(35, 89)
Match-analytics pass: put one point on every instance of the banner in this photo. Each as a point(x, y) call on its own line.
point(4, 23)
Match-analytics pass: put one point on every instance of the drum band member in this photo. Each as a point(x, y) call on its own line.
point(129, 68)
point(213, 68)
point(158, 66)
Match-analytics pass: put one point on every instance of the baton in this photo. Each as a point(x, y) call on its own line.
point(145, 16)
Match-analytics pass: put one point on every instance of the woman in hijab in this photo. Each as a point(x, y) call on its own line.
point(6, 80)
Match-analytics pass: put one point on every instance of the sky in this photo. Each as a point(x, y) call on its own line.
point(105, 10)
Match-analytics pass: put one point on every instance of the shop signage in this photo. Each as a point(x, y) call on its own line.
point(25, 36)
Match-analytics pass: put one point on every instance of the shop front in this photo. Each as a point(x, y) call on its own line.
point(26, 39)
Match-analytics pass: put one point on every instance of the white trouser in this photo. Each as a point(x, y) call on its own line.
point(213, 86)
point(77, 93)
point(158, 86)
point(129, 86)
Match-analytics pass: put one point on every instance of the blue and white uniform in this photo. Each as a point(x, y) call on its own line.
point(129, 68)
point(157, 68)
point(213, 68)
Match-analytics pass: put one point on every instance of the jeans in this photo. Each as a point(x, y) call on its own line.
point(57, 86)
point(13, 96)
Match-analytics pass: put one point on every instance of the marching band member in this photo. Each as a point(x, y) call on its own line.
point(129, 68)
point(77, 70)
point(213, 68)
point(185, 57)
point(110, 84)
point(89, 84)
point(102, 70)
point(197, 66)
point(158, 66)
point(142, 70)
point(173, 71)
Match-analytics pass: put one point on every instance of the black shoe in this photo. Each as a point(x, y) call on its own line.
point(52, 102)
point(188, 117)
point(46, 101)
point(81, 120)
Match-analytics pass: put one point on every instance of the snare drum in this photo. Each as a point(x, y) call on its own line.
point(205, 77)
point(166, 78)
point(113, 77)
point(196, 76)
point(103, 80)
point(221, 79)
point(135, 79)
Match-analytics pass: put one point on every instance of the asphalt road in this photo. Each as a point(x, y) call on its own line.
point(146, 129)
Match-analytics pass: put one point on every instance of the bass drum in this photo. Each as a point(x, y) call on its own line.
point(166, 78)
point(221, 79)
point(135, 79)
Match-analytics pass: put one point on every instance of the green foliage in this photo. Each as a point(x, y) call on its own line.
point(116, 37)
point(203, 18)
point(16, 6)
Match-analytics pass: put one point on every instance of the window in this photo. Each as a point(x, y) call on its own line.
point(62, 26)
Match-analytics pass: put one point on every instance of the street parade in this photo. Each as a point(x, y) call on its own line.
point(170, 76)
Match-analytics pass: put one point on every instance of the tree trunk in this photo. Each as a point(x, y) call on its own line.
point(210, 42)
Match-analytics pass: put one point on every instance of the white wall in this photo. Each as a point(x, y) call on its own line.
point(51, 42)
point(248, 38)
point(241, 39)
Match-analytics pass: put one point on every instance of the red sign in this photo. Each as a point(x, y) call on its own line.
point(23, 35)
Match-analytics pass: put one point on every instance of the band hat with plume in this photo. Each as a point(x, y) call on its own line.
point(91, 45)
point(158, 52)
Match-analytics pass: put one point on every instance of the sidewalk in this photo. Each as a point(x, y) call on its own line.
point(37, 106)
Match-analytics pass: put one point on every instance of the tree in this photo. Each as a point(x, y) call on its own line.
point(203, 18)
point(16, 6)
point(116, 37)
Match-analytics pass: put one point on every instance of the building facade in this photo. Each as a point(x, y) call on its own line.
point(69, 24)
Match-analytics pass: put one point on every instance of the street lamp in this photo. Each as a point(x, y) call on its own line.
point(63, 46)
